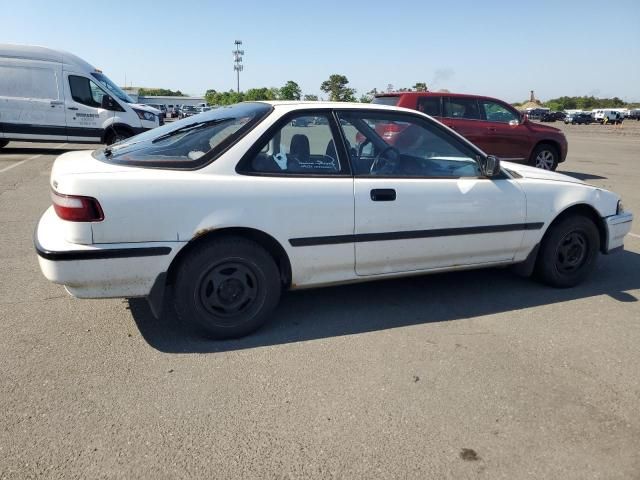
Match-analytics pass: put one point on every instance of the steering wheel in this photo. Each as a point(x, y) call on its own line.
point(375, 167)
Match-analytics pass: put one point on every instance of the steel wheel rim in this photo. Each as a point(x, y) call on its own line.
point(572, 252)
point(228, 289)
point(545, 160)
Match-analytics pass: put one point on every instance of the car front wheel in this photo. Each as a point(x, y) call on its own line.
point(568, 252)
point(545, 156)
point(227, 287)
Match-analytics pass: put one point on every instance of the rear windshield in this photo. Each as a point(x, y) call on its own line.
point(388, 100)
point(188, 143)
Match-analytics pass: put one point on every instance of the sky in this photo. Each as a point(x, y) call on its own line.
point(502, 49)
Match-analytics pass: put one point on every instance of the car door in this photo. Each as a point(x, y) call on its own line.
point(312, 204)
point(84, 113)
point(31, 102)
point(510, 139)
point(422, 203)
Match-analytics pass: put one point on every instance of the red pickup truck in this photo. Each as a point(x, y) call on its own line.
point(491, 124)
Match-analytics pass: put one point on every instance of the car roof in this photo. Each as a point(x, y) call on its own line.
point(435, 94)
point(304, 105)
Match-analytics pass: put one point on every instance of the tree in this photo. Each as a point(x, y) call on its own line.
point(311, 98)
point(291, 91)
point(420, 87)
point(263, 93)
point(336, 87)
point(368, 97)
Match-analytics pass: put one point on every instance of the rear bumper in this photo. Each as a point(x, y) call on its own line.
point(100, 270)
point(617, 227)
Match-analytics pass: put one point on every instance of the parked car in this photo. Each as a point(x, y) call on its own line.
point(234, 206)
point(175, 112)
point(493, 125)
point(548, 117)
point(559, 115)
point(50, 95)
point(187, 111)
point(607, 116)
point(578, 119)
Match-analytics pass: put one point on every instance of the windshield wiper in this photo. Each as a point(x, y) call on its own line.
point(191, 127)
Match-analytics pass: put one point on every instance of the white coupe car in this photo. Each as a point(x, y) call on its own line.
point(239, 203)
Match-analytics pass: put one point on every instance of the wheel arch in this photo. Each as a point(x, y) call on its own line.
point(116, 126)
point(266, 241)
point(555, 144)
point(588, 211)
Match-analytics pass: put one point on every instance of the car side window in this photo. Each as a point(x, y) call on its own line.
point(494, 112)
point(305, 145)
point(455, 107)
point(397, 145)
point(430, 106)
point(84, 91)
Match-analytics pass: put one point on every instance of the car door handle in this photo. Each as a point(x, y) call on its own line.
point(383, 194)
point(73, 108)
point(56, 102)
point(491, 129)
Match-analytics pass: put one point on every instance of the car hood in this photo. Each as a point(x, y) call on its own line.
point(539, 174)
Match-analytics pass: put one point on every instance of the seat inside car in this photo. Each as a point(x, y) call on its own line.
point(299, 148)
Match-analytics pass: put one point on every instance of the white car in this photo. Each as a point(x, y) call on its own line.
point(237, 204)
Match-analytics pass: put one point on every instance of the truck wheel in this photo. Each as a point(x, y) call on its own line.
point(4, 143)
point(545, 156)
point(568, 252)
point(228, 287)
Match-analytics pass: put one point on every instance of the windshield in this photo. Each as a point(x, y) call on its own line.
point(388, 100)
point(111, 87)
point(188, 143)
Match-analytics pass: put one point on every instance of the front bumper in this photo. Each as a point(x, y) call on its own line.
point(617, 227)
point(100, 270)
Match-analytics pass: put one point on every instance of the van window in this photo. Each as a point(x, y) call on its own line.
point(28, 82)
point(455, 107)
point(84, 91)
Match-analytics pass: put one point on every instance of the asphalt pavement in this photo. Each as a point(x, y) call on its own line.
point(477, 374)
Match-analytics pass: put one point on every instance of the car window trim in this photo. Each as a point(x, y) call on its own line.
point(243, 166)
point(424, 118)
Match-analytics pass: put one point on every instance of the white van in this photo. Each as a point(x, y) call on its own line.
point(612, 116)
point(53, 96)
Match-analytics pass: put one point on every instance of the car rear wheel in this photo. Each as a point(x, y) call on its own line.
point(227, 288)
point(568, 252)
point(545, 156)
point(4, 143)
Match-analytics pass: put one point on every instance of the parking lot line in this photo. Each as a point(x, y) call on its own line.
point(33, 157)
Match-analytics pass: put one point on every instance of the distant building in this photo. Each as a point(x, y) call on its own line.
point(163, 100)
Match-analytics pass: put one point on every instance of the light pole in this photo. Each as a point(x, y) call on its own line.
point(237, 60)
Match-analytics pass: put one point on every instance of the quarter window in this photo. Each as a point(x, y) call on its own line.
point(455, 107)
point(494, 112)
point(305, 145)
point(392, 145)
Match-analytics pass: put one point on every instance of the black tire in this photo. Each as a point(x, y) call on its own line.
point(227, 287)
point(4, 143)
point(569, 252)
point(115, 135)
point(545, 156)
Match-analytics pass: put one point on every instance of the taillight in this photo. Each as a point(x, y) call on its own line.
point(75, 208)
point(391, 130)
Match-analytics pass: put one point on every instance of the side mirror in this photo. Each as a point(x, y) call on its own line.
point(490, 166)
point(108, 103)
